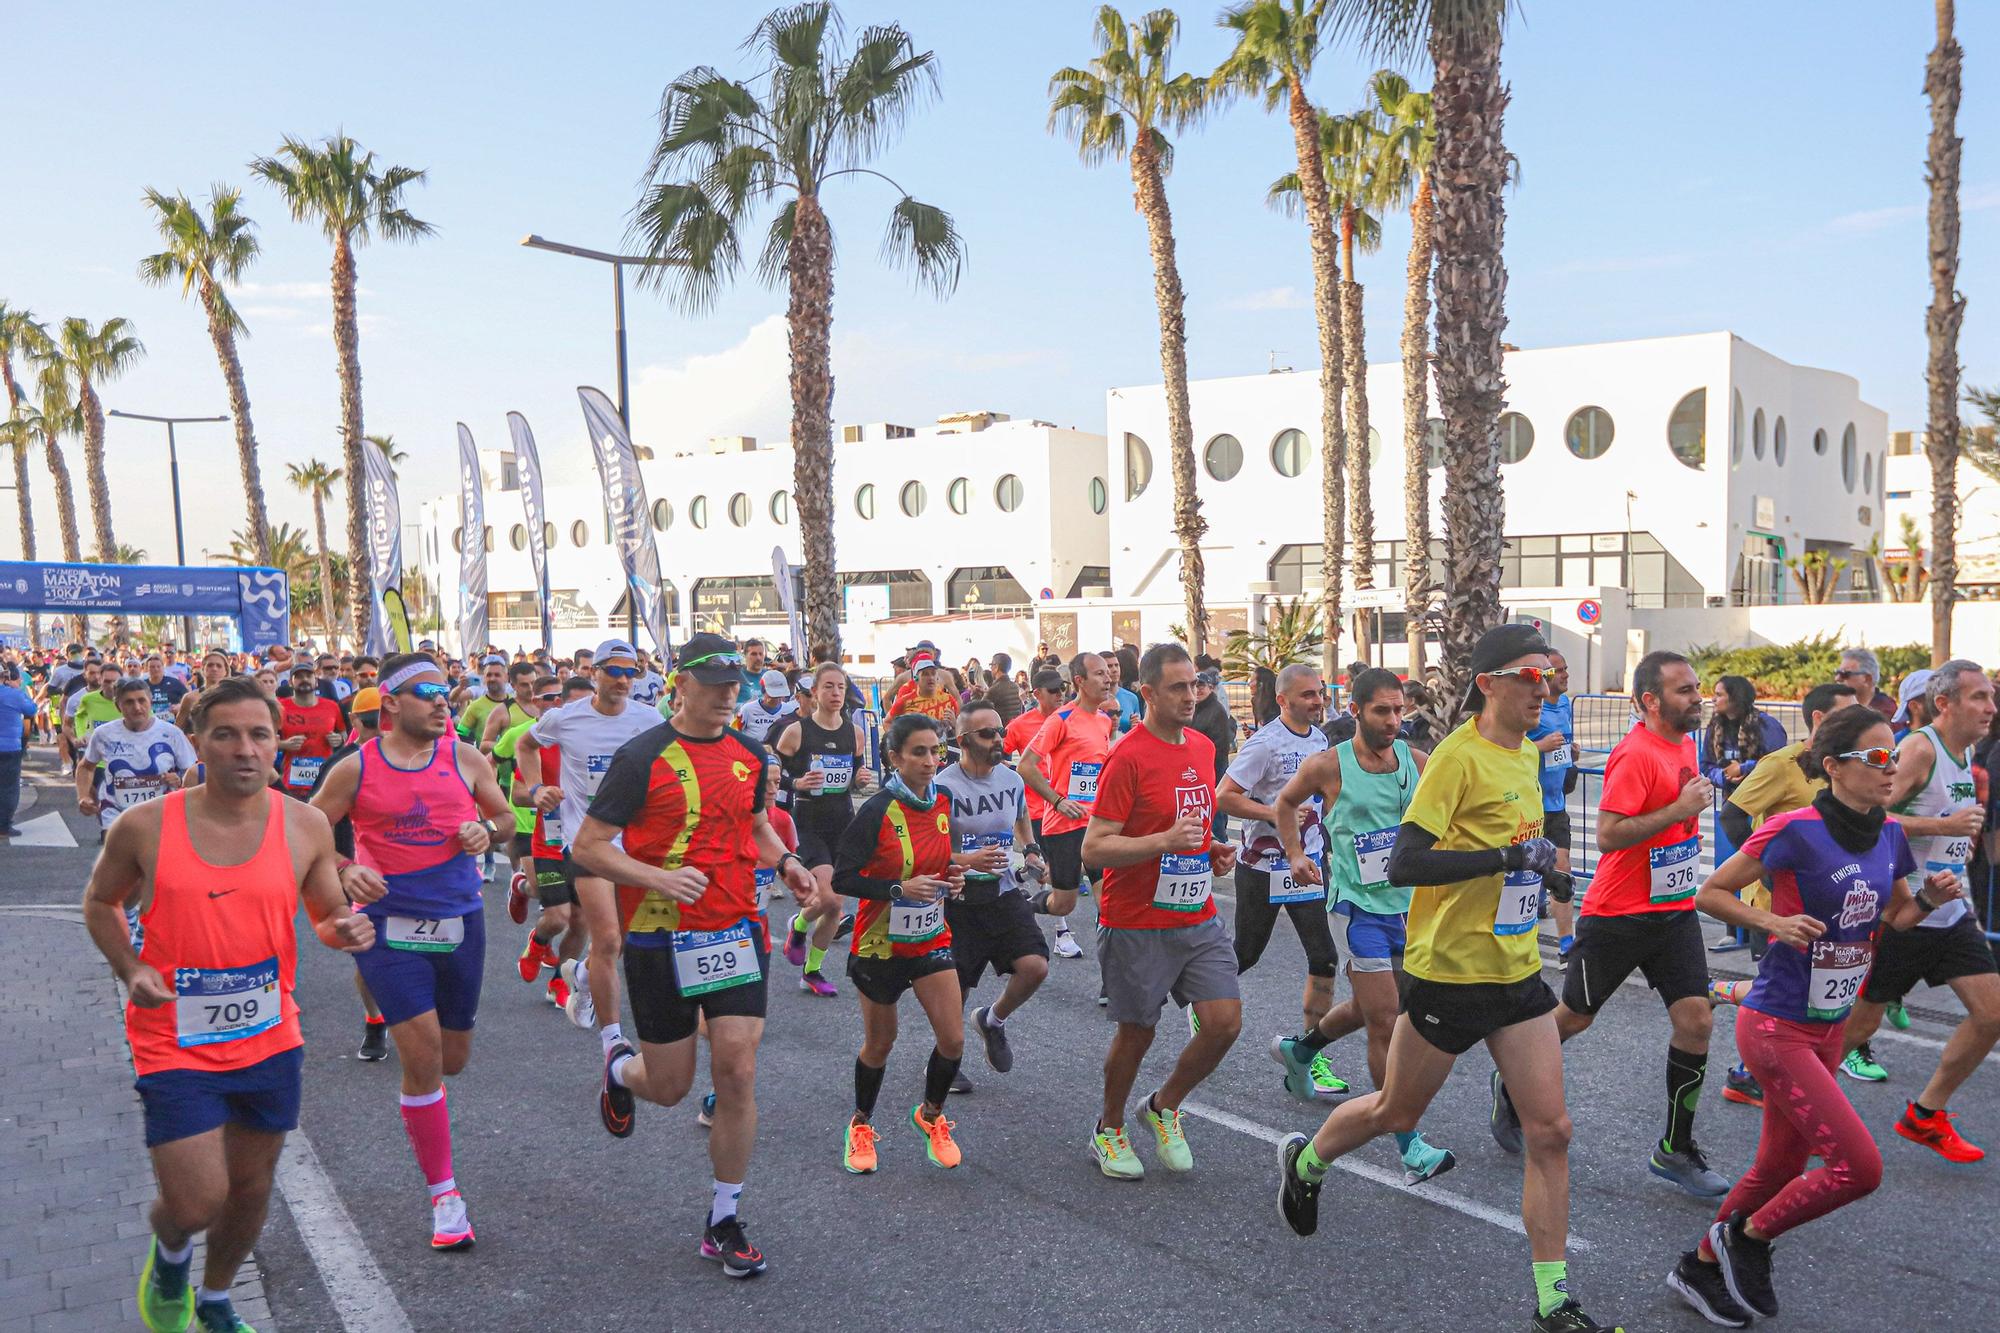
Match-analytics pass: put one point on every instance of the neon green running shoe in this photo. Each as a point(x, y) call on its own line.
point(163, 1312)
point(1899, 1017)
point(1325, 1083)
point(1114, 1154)
point(1168, 1139)
point(1860, 1064)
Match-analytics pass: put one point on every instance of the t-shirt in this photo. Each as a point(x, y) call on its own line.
point(943, 705)
point(93, 710)
point(1130, 709)
point(316, 720)
point(1644, 774)
point(984, 812)
point(1146, 785)
point(16, 707)
point(1476, 796)
point(1261, 768)
point(1019, 736)
point(1070, 748)
point(472, 721)
point(1813, 875)
point(179, 671)
point(167, 695)
point(589, 739)
point(1558, 715)
point(132, 765)
point(757, 722)
point(647, 687)
point(1776, 785)
point(503, 750)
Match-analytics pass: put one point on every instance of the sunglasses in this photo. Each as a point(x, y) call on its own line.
point(1531, 675)
point(620, 673)
point(548, 698)
point(1875, 758)
point(721, 659)
point(1845, 672)
point(429, 691)
point(982, 733)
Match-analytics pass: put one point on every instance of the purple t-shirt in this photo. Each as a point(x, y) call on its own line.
point(1813, 875)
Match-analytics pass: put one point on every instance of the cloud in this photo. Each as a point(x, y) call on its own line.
point(1868, 221)
point(1271, 298)
point(1623, 263)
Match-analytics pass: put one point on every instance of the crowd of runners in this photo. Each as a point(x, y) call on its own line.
point(677, 834)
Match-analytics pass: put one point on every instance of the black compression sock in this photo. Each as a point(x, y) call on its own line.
point(1923, 1112)
point(867, 1087)
point(1685, 1073)
point(938, 1075)
point(1313, 1039)
point(1040, 902)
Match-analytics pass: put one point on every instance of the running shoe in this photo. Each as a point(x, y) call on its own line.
point(166, 1302)
point(374, 1042)
point(1298, 1198)
point(220, 1317)
point(614, 1103)
point(1424, 1161)
point(578, 1006)
point(1689, 1169)
point(517, 898)
point(725, 1243)
point(817, 984)
point(451, 1229)
point(1563, 947)
point(1702, 1286)
point(999, 1052)
point(859, 1155)
point(1114, 1154)
point(1194, 1023)
point(1861, 1064)
point(1309, 1073)
point(795, 942)
point(1170, 1144)
point(960, 1084)
point(1066, 945)
point(534, 957)
point(1570, 1318)
point(1741, 1086)
point(705, 1116)
point(557, 992)
point(1326, 1085)
point(846, 926)
point(1899, 1016)
point(938, 1143)
point(1506, 1125)
point(1934, 1131)
point(1746, 1266)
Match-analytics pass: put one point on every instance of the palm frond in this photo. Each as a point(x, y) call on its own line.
point(778, 245)
point(694, 239)
point(924, 238)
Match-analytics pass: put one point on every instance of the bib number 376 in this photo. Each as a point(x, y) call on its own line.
point(1672, 871)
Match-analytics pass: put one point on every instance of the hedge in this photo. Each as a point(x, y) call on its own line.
point(1788, 670)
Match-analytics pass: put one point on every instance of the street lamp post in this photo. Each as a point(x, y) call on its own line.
point(174, 476)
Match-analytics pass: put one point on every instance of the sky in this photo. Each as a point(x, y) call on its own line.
point(1686, 167)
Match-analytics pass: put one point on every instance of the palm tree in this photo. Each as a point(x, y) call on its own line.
point(18, 333)
point(317, 480)
point(1127, 81)
point(205, 254)
point(128, 555)
point(96, 356)
point(59, 416)
point(338, 186)
point(1277, 42)
point(387, 444)
point(23, 425)
point(818, 112)
point(1941, 84)
point(290, 551)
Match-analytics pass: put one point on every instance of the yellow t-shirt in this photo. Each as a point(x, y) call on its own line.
point(1473, 795)
point(1775, 786)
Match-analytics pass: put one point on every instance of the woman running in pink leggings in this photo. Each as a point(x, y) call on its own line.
point(1839, 870)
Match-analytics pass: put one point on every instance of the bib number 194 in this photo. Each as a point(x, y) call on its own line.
point(1520, 903)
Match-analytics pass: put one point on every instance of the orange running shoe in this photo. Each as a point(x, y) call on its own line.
point(937, 1137)
point(1934, 1131)
point(535, 956)
point(558, 992)
point(860, 1154)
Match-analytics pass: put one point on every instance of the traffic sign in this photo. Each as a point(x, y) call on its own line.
point(1590, 610)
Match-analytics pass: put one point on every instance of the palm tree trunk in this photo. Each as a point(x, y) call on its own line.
point(326, 598)
point(224, 339)
point(93, 470)
point(1416, 469)
point(347, 341)
point(1470, 172)
point(1360, 503)
point(1332, 365)
point(24, 500)
point(1149, 190)
point(1941, 322)
point(809, 334)
point(65, 499)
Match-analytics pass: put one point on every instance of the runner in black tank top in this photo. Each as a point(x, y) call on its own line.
point(823, 763)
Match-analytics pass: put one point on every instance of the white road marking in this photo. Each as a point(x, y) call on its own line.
point(47, 830)
point(360, 1293)
point(1430, 1193)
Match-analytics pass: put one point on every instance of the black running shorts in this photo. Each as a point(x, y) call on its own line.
point(884, 980)
point(1456, 1016)
point(555, 881)
point(661, 1015)
point(1665, 947)
point(997, 933)
point(1936, 957)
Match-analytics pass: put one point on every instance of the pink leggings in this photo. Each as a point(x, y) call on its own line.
point(1805, 1115)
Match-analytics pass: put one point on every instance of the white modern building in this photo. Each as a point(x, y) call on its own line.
point(1909, 495)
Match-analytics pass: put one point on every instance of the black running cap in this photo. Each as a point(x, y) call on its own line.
point(1496, 648)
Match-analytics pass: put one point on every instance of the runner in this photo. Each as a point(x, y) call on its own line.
point(1837, 869)
point(931, 695)
point(1639, 912)
point(770, 710)
point(142, 756)
point(900, 859)
point(824, 758)
point(991, 921)
point(1363, 786)
point(559, 931)
point(217, 875)
point(1935, 800)
point(95, 704)
point(1158, 935)
point(492, 694)
point(521, 677)
point(532, 696)
point(1555, 737)
point(214, 670)
point(1265, 880)
point(167, 691)
point(1471, 846)
point(678, 823)
point(1062, 765)
point(1048, 695)
point(588, 733)
point(309, 731)
point(421, 802)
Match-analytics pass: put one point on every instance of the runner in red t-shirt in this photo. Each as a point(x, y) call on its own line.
point(1639, 909)
point(1062, 767)
point(308, 732)
point(1150, 829)
point(1021, 733)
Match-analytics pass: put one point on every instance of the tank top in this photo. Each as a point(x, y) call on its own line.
point(830, 750)
point(406, 824)
point(222, 937)
point(1948, 789)
point(1361, 830)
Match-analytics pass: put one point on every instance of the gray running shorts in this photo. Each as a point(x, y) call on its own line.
point(1143, 968)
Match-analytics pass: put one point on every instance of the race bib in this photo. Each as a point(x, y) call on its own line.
point(1520, 903)
point(979, 842)
point(131, 788)
point(914, 922)
point(214, 1004)
point(767, 878)
point(1835, 982)
point(712, 960)
point(552, 829)
point(305, 771)
point(1371, 853)
point(1953, 853)
point(839, 770)
point(1083, 783)
point(1184, 882)
point(595, 766)
point(1673, 871)
point(1560, 757)
point(1285, 889)
point(422, 934)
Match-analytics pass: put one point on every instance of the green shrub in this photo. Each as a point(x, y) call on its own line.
point(1788, 670)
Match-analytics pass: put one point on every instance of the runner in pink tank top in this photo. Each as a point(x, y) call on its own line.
point(406, 827)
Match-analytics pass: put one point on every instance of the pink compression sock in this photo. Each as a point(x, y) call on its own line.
point(428, 1124)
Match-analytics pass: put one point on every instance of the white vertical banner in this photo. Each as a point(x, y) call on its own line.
point(472, 549)
point(530, 464)
point(784, 574)
point(625, 505)
point(385, 540)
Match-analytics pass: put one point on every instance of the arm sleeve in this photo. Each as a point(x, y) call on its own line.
point(1415, 859)
point(857, 849)
point(548, 728)
point(622, 793)
point(93, 753)
point(1735, 824)
point(1047, 740)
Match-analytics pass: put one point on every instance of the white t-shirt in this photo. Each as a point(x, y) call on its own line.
point(647, 688)
point(132, 764)
point(588, 739)
point(1261, 768)
point(758, 722)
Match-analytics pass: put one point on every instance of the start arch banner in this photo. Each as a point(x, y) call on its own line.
point(259, 600)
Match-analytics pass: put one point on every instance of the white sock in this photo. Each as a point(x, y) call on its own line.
point(176, 1257)
point(618, 1070)
point(420, 1098)
point(611, 1034)
point(992, 1022)
point(207, 1295)
point(1062, 925)
point(724, 1205)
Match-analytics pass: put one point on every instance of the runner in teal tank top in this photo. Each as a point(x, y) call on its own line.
point(1362, 788)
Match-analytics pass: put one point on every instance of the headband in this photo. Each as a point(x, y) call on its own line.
point(406, 675)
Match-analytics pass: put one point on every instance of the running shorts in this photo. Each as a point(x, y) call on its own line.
point(820, 821)
point(1555, 827)
point(1665, 947)
point(661, 1015)
point(1935, 957)
point(521, 846)
point(1456, 1016)
point(884, 980)
point(1142, 969)
point(555, 881)
point(181, 1103)
point(1256, 915)
point(408, 982)
point(999, 933)
point(1064, 854)
point(1374, 939)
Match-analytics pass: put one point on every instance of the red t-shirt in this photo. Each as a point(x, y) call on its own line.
point(1146, 785)
point(1020, 735)
point(1071, 747)
point(316, 722)
point(539, 845)
point(1644, 774)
